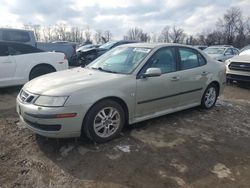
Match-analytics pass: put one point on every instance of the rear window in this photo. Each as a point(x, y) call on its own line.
point(16, 36)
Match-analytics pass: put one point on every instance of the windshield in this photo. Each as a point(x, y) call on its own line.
point(214, 50)
point(120, 60)
point(107, 45)
point(245, 52)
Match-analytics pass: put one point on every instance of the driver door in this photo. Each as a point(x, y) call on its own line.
point(158, 94)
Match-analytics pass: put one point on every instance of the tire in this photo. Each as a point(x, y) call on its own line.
point(210, 96)
point(40, 70)
point(98, 121)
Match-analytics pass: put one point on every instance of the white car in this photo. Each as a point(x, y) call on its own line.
point(20, 63)
point(238, 67)
point(221, 52)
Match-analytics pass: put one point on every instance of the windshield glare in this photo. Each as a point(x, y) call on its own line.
point(107, 45)
point(245, 52)
point(214, 50)
point(120, 60)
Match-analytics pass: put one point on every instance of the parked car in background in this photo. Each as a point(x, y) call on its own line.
point(245, 48)
point(85, 56)
point(221, 53)
point(201, 47)
point(28, 37)
point(128, 84)
point(87, 46)
point(238, 67)
point(20, 63)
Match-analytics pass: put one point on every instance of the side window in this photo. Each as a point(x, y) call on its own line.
point(189, 59)
point(18, 49)
point(202, 60)
point(235, 51)
point(229, 51)
point(163, 59)
point(17, 36)
point(4, 50)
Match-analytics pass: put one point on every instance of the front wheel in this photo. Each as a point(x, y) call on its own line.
point(210, 96)
point(104, 121)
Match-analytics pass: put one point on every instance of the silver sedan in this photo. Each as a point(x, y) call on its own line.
point(128, 84)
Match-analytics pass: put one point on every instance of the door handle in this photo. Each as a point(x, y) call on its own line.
point(204, 73)
point(175, 78)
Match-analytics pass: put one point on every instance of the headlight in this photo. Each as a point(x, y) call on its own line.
point(50, 101)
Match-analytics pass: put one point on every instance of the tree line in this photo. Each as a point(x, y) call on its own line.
point(231, 29)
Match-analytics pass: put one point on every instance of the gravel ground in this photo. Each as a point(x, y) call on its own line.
point(192, 148)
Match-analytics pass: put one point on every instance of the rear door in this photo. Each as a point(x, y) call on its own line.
point(194, 75)
point(7, 65)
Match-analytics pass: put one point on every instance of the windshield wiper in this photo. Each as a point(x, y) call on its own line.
point(104, 70)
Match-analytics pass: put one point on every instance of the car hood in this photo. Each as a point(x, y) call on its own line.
point(241, 58)
point(64, 83)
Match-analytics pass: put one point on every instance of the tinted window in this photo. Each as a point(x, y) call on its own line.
point(229, 51)
point(16, 36)
point(202, 60)
point(163, 59)
point(17, 49)
point(4, 50)
point(189, 58)
point(236, 52)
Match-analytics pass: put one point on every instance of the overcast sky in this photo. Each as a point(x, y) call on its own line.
point(119, 15)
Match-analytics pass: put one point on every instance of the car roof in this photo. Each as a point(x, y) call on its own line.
point(11, 29)
point(155, 45)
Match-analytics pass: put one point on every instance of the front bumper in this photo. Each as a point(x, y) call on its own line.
point(43, 120)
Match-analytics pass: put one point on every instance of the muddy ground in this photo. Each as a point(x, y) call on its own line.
point(192, 148)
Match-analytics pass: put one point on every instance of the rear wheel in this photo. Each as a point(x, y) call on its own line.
point(40, 70)
point(104, 121)
point(210, 96)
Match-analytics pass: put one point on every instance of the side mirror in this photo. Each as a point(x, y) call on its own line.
point(152, 72)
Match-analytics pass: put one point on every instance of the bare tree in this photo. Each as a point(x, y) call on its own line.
point(164, 37)
point(75, 35)
point(107, 36)
point(48, 33)
point(60, 32)
point(137, 34)
point(177, 35)
point(87, 35)
point(35, 28)
point(98, 36)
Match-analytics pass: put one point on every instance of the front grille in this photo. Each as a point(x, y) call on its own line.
point(239, 66)
point(26, 97)
point(238, 77)
point(54, 127)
